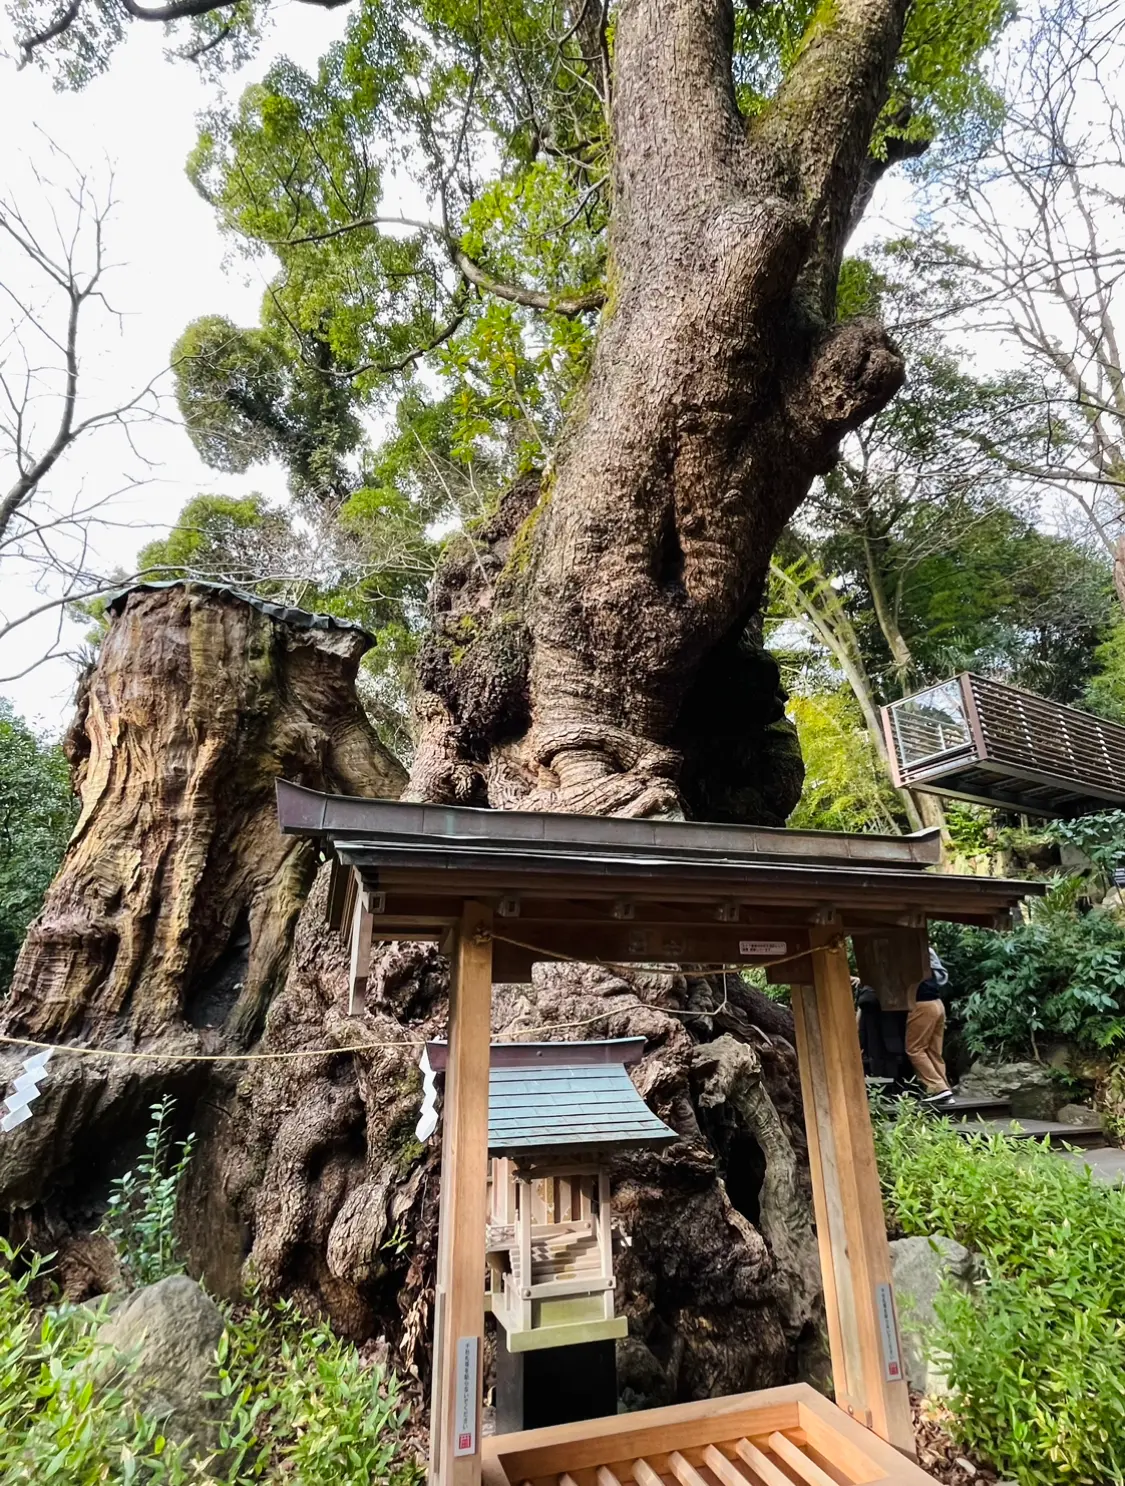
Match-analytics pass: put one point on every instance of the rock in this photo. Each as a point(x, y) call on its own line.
point(1078, 1114)
point(641, 1381)
point(168, 1333)
point(919, 1266)
point(1032, 1088)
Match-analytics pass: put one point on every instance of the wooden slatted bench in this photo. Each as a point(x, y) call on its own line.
point(778, 1437)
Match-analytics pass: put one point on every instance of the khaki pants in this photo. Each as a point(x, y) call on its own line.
point(925, 1034)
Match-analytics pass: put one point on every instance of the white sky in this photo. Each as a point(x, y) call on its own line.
point(139, 121)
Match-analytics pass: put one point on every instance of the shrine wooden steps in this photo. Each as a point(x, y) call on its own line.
point(779, 1437)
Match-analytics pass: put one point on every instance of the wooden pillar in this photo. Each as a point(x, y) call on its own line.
point(855, 1260)
point(455, 1412)
point(892, 961)
point(362, 929)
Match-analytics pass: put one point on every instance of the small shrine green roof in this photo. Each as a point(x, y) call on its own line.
point(547, 1096)
point(546, 1109)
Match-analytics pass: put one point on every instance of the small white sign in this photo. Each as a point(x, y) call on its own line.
point(888, 1329)
point(763, 947)
point(467, 1384)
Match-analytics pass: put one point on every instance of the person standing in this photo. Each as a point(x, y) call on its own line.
point(925, 1040)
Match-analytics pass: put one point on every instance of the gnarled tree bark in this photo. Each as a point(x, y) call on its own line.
point(626, 603)
point(320, 1166)
point(167, 929)
point(595, 647)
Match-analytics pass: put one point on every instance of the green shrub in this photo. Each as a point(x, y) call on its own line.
point(54, 1424)
point(1101, 837)
point(1061, 975)
point(304, 1407)
point(1036, 1357)
point(299, 1404)
point(296, 1404)
point(141, 1216)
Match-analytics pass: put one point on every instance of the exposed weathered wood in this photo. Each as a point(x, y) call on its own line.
point(855, 1258)
point(464, 1200)
point(170, 922)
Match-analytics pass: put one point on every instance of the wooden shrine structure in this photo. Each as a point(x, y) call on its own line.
point(556, 1111)
point(500, 890)
point(974, 739)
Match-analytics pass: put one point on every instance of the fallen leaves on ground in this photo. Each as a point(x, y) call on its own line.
point(937, 1454)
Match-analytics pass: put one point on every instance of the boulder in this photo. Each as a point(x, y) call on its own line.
point(919, 1267)
point(167, 1335)
point(1078, 1114)
point(1032, 1088)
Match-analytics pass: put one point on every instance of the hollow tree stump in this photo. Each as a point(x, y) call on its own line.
point(168, 927)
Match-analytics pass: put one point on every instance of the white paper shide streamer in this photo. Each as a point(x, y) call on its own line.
point(25, 1087)
point(427, 1120)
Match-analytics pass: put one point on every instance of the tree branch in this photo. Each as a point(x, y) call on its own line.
point(535, 299)
point(62, 22)
point(562, 303)
point(815, 135)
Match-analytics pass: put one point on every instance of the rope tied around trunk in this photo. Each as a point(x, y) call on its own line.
point(78, 1050)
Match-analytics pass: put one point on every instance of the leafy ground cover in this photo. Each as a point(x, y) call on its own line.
point(294, 1403)
point(297, 1404)
point(1036, 1356)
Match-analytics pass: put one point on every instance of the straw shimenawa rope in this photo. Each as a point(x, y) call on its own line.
point(366, 1047)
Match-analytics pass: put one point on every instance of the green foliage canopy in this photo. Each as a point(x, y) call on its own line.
point(37, 814)
point(1060, 976)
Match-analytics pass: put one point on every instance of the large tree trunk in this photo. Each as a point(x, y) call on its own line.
point(319, 1165)
point(595, 648)
point(576, 676)
point(167, 929)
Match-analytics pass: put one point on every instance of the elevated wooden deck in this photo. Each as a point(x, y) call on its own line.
point(975, 739)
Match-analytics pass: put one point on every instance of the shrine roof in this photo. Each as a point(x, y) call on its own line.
point(545, 1096)
point(445, 852)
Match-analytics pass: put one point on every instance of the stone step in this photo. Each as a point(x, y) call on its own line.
point(967, 1104)
point(1083, 1136)
point(1106, 1163)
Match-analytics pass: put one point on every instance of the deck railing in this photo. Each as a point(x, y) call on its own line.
point(978, 739)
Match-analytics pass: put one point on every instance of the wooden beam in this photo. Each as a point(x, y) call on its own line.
point(455, 1440)
point(361, 949)
point(855, 1259)
point(893, 961)
point(871, 895)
